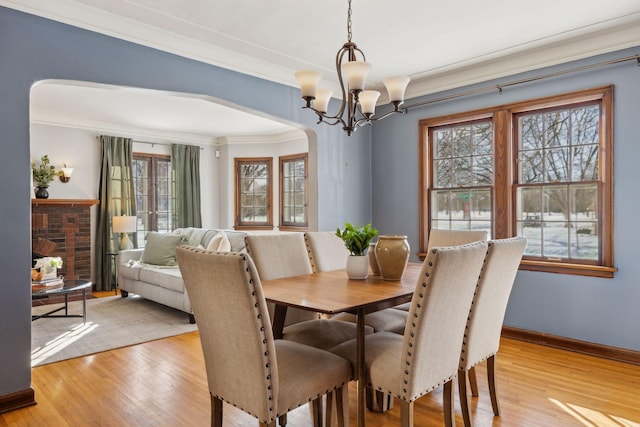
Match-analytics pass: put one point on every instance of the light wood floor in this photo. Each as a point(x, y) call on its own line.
point(163, 383)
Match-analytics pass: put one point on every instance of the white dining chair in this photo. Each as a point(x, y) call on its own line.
point(484, 326)
point(246, 367)
point(428, 354)
point(285, 255)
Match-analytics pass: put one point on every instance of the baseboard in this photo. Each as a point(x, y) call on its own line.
point(592, 349)
point(17, 400)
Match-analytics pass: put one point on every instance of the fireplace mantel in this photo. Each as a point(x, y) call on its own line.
point(66, 202)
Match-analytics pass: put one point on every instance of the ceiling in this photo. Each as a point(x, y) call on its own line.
point(439, 44)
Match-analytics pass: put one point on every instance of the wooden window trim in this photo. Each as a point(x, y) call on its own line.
point(505, 166)
point(261, 225)
point(287, 226)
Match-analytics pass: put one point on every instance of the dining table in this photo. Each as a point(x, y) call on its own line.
point(333, 292)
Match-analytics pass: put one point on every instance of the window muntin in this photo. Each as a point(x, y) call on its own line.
point(552, 179)
point(253, 192)
point(293, 191)
point(152, 182)
point(462, 165)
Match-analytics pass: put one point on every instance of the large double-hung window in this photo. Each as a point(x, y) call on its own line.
point(542, 169)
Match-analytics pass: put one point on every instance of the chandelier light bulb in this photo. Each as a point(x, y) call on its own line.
point(356, 73)
point(308, 80)
point(368, 99)
point(321, 102)
point(395, 87)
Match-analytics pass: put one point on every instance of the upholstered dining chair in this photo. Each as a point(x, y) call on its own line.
point(484, 326)
point(428, 354)
point(246, 367)
point(443, 237)
point(285, 255)
point(326, 251)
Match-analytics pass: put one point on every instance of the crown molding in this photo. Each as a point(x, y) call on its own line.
point(575, 45)
point(49, 118)
point(604, 37)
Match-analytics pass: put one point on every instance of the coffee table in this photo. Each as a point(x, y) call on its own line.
point(68, 287)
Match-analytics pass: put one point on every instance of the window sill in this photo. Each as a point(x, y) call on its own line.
point(566, 268)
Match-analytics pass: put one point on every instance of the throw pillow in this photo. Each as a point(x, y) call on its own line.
point(161, 249)
point(219, 243)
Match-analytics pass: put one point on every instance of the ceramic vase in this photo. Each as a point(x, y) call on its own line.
point(358, 267)
point(373, 262)
point(392, 254)
point(42, 193)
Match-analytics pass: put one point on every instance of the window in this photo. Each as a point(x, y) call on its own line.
point(154, 200)
point(293, 191)
point(253, 193)
point(541, 169)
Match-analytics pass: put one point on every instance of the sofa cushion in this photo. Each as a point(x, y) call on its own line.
point(161, 249)
point(169, 278)
point(219, 243)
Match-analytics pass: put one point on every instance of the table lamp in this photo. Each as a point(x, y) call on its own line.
point(124, 225)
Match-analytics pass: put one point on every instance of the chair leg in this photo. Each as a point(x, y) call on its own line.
point(493, 392)
point(328, 412)
point(449, 410)
point(216, 412)
point(473, 382)
point(282, 420)
point(342, 405)
point(464, 397)
point(406, 414)
point(378, 401)
point(316, 411)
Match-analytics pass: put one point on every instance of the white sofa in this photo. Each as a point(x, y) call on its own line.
point(163, 284)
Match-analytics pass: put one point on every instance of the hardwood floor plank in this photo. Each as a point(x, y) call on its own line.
point(163, 383)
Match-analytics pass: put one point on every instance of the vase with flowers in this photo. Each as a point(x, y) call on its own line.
point(42, 176)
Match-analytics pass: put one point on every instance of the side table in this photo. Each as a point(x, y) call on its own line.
point(113, 271)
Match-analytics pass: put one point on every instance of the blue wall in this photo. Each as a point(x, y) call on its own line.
point(33, 49)
point(597, 310)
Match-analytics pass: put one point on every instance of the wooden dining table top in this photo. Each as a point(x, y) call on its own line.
point(332, 292)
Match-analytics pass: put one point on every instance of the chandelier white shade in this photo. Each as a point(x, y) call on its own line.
point(358, 105)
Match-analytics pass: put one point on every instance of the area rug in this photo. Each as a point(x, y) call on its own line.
point(112, 322)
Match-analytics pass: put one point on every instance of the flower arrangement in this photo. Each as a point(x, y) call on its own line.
point(45, 173)
point(48, 264)
point(357, 239)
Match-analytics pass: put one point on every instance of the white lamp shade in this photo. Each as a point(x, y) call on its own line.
point(308, 80)
point(356, 73)
point(66, 172)
point(368, 100)
point(396, 87)
point(124, 224)
point(321, 102)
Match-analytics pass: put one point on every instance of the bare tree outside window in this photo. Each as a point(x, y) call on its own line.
point(557, 194)
point(541, 168)
point(253, 192)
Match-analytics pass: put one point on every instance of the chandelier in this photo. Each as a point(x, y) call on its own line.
point(358, 104)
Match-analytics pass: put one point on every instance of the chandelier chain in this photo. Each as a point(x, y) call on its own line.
point(349, 23)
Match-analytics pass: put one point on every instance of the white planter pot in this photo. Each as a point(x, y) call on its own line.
point(358, 267)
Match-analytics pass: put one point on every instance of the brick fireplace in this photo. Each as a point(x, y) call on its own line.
point(67, 223)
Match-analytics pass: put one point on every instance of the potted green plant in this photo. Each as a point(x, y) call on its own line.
point(356, 239)
point(42, 176)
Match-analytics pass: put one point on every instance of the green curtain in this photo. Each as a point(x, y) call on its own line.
point(117, 198)
point(185, 167)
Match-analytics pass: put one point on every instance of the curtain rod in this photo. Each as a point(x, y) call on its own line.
point(163, 143)
point(526, 80)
